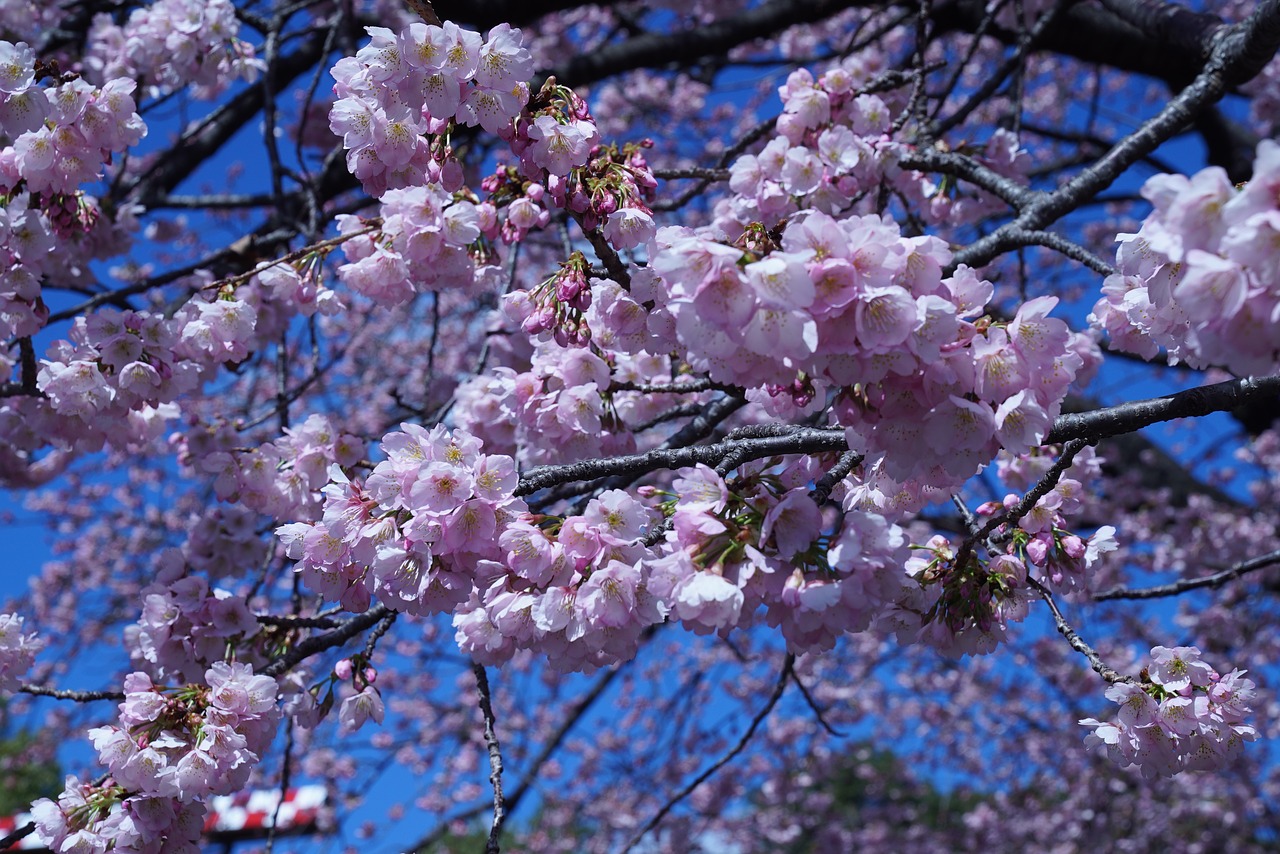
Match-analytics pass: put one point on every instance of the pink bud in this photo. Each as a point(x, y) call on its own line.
point(451, 177)
point(1038, 551)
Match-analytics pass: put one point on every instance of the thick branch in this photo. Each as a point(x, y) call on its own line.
point(1237, 54)
point(1133, 416)
point(318, 643)
point(802, 440)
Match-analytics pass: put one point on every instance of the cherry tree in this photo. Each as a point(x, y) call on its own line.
point(713, 426)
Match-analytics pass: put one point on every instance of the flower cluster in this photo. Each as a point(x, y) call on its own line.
point(90, 818)
point(125, 368)
point(26, 245)
point(300, 289)
point(576, 590)
point(281, 478)
point(611, 192)
point(564, 406)
point(556, 135)
point(172, 44)
point(185, 627)
point(836, 151)
point(959, 609)
point(1041, 538)
point(1180, 715)
point(60, 130)
point(414, 531)
point(765, 544)
point(1200, 276)
point(62, 134)
point(223, 539)
point(191, 741)
point(402, 87)
point(421, 246)
point(833, 145)
point(17, 651)
point(927, 384)
point(115, 361)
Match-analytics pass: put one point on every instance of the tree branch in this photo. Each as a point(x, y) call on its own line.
point(778, 689)
point(1237, 53)
point(1077, 643)
point(308, 647)
point(1133, 416)
point(495, 759)
point(1211, 581)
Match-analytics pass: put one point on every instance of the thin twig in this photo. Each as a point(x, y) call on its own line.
point(1077, 643)
point(78, 696)
point(286, 771)
point(783, 676)
point(549, 747)
point(813, 704)
point(1174, 588)
point(374, 636)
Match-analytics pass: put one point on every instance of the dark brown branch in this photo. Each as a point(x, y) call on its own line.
point(17, 835)
point(308, 647)
point(1238, 53)
point(495, 759)
point(1077, 643)
point(1133, 416)
point(1213, 582)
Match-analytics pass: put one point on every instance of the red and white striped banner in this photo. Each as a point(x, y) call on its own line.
point(252, 811)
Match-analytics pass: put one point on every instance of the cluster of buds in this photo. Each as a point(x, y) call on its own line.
point(557, 305)
point(801, 390)
point(970, 603)
point(612, 191)
point(556, 133)
point(523, 201)
point(1040, 535)
point(71, 213)
point(563, 164)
